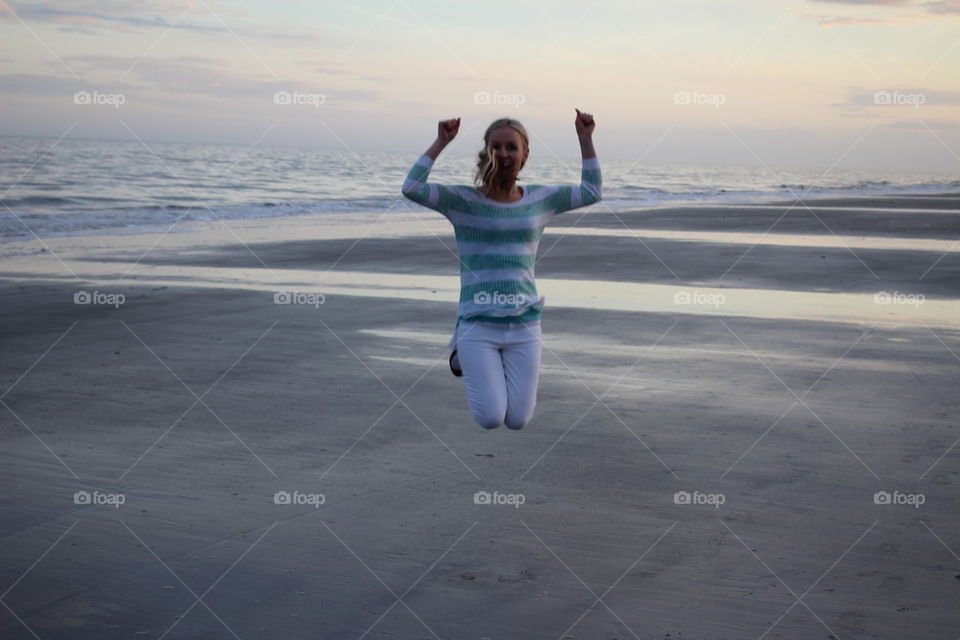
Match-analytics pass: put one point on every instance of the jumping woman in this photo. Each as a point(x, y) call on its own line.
point(498, 224)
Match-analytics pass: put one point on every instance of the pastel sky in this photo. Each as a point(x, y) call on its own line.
point(817, 83)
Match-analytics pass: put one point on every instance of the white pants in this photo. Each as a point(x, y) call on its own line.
point(501, 370)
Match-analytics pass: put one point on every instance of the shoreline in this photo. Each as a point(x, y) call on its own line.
point(343, 218)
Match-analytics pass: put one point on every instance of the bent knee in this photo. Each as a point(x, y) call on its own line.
point(517, 422)
point(487, 421)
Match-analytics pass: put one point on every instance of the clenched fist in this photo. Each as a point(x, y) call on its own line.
point(447, 130)
point(584, 123)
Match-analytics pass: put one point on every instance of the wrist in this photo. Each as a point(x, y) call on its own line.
point(434, 150)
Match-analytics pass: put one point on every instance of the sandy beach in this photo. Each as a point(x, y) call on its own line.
point(747, 427)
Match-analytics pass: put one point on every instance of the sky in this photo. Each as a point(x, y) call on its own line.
point(869, 84)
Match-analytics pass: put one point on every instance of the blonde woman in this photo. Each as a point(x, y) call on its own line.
point(498, 224)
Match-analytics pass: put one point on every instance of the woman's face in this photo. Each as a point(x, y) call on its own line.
point(507, 146)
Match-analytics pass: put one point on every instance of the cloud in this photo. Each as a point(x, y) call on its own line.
point(122, 63)
point(860, 99)
point(922, 11)
point(189, 75)
point(160, 79)
point(916, 125)
point(109, 13)
point(837, 21)
point(825, 20)
point(89, 17)
point(42, 85)
point(943, 7)
point(932, 6)
point(878, 3)
point(336, 69)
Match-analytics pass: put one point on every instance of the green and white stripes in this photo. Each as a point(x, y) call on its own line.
point(498, 241)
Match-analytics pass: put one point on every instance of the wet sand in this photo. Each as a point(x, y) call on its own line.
point(810, 364)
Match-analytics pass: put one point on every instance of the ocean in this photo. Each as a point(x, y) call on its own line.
point(77, 187)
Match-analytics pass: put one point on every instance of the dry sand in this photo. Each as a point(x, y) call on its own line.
point(785, 385)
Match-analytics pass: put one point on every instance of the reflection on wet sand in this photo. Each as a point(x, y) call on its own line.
point(887, 307)
point(825, 240)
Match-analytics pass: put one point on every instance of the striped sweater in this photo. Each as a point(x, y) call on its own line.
point(498, 241)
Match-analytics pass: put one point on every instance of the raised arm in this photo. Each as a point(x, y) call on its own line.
point(590, 189)
point(416, 187)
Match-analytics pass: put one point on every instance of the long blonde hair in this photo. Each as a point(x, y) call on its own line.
point(487, 160)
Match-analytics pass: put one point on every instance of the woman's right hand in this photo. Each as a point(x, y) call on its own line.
point(447, 130)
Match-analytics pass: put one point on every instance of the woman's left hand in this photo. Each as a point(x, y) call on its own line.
point(584, 123)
